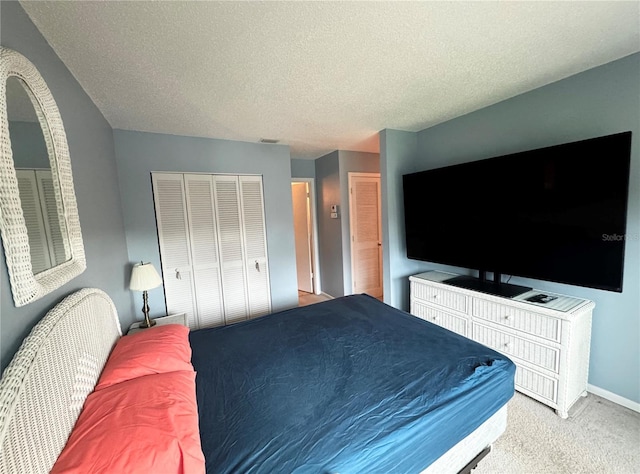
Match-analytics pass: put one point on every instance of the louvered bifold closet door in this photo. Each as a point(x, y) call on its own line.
point(34, 221)
point(58, 246)
point(175, 252)
point(256, 262)
point(204, 249)
point(230, 237)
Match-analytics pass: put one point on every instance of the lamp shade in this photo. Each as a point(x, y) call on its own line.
point(144, 277)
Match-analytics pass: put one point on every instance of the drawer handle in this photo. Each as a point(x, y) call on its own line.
point(507, 318)
point(435, 297)
point(435, 318)
point(507, 345)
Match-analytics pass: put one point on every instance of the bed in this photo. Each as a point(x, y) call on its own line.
point(348, 385)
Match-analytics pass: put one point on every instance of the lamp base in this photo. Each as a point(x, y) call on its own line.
point(148, 322)
point(146, 325)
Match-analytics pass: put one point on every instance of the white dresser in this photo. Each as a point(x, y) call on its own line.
point(548, 342)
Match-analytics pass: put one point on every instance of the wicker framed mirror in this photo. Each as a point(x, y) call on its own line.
point(18, 238)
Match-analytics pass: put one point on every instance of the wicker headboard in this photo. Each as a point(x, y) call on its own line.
point(43, 389)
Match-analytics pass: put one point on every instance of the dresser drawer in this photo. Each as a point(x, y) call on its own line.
point(449, 321)
point(532, 323)
point(537, 354)
point(531, 381)
point(439, 296)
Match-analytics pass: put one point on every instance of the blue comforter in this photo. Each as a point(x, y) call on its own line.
point(350, 385)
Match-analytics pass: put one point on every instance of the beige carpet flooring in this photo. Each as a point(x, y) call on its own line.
point(598, 437)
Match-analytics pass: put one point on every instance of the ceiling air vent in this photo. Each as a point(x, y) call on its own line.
point(268, 140)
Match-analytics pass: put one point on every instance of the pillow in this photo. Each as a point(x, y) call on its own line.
point(145, 425)
point(155, 350)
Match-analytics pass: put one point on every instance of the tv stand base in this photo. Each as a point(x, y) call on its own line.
point(505, 290)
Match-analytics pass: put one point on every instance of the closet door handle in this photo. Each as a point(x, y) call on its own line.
point(178, 276)
point(257, 266)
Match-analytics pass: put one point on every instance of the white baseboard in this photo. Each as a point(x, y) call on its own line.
point(625, 402)
point(327, 295)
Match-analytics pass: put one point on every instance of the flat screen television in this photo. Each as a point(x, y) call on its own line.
point(556, 214)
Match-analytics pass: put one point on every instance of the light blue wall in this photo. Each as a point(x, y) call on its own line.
point(94, 171)
point(597, 102)
point(27, 145)
point(329, 230)
point(138, 154)
point(303, 168)
point(398, 156)
point(332, 179)
point(349, 162)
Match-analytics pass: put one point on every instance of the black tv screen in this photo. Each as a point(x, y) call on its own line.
point(557, 214)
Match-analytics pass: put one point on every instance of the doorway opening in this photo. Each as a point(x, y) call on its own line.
point(306, 236)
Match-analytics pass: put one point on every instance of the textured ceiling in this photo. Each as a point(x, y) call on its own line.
point(321, 76)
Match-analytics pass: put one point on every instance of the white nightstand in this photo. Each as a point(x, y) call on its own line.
point(180, 318)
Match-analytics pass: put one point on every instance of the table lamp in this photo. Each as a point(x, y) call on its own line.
point(145, 277)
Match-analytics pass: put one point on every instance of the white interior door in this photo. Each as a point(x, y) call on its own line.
point(204, 249)
point(58, 246)
point(302, 231)
point(366, 233)
point(255, 245)
point(175, 251)
point(34, 220)
point(229, 221)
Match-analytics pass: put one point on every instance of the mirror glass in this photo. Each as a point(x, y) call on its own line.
point(39, 193)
